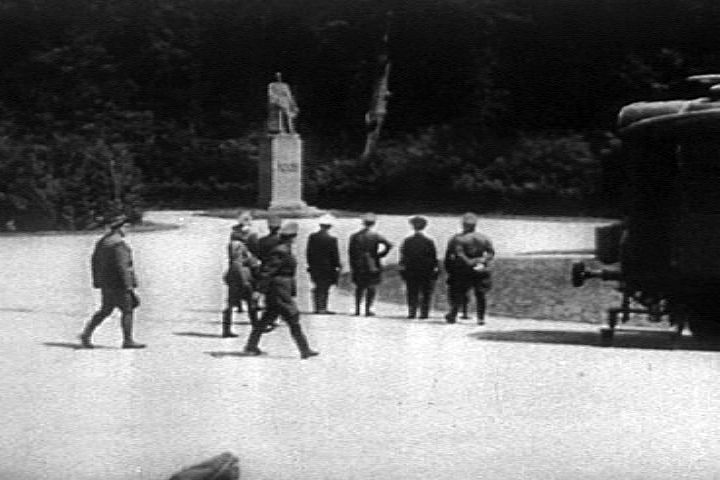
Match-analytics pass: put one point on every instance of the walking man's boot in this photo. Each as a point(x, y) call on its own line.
point(127, 327)
point(300, 339)
point(86, 336)
point(251, 347)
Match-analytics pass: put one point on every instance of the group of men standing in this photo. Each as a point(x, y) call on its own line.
point(467, 260)
point(265, 268)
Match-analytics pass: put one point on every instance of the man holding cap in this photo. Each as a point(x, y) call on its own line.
point(366, 249)
point(323, 259)
point(113, 274)
point(277, 282)
point(241, 274)
point(418, 268)
point(467, 261)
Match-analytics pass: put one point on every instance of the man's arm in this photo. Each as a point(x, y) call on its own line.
point(387, 244)
point(123, 264)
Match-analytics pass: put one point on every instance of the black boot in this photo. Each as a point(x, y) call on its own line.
point(126, 322)
point(227, 324)
point(358, 300)
point(86, 335)
point(324, 297)
point(317, 301)
point(251, 347)
point(481, 306)
point(369, 299)
point(300, 339)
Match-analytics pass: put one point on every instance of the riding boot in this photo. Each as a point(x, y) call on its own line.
point(126, 321)
point(251, 347)
point(424, 307)
point(300, 339)
point(227, 324)
point(86, 335)
point(481, 306)
point(358, 300)
point(324, 298)
point(369, 299)
point(317, 300)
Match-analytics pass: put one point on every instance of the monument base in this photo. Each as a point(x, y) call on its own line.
point(281, 178)
point(295, 210)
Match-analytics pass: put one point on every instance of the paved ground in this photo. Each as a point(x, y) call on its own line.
point(388, 398)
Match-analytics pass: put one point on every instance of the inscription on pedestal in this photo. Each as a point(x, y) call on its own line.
point(281, 173)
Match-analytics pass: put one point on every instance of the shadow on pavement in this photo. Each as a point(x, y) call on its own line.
point(623, 339)
point(247, 355)
point(198, 334)
point(219, 322)
point(73, 346)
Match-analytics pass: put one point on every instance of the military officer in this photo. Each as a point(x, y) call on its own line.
point(366, 249)
point(419, 268)
point(467, 262)
point(277, 281)
point(268, 242)
point(323, 259)
point(241, 275)
point(113, 274)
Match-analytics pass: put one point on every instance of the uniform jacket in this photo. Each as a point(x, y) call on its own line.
point(365, 251)
point(266, 244)
point(418, 256)
point(281, 265)
point(242, 264)
point(112, 265)
point(465, 251)
point(323, 256)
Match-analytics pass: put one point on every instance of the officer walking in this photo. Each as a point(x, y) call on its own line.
point(113, 274)
point(323, 259)
point(240, 276)
point(467, 261)
point(271, 240)
point(418, 268)
point(366, 249)
point(277, 281)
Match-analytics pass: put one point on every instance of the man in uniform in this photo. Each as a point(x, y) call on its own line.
point(271, 240)
point(241, 274)
point(113, 274)
point(365, 250)
point(323, 259)
point(277, 281)
point(467, 261)
point(418, 268)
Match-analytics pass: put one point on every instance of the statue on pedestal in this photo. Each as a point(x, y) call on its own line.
point(282, 108)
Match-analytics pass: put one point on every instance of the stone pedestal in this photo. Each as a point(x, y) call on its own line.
point(281, 177)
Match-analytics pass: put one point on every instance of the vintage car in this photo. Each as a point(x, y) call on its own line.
point(667, 247)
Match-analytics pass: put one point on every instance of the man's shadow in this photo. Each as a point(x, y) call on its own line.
point(75, 346)
point(241, 354)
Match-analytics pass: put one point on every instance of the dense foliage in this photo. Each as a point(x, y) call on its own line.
point(497, 105)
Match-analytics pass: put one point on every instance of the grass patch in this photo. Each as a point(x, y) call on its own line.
point(536, 288)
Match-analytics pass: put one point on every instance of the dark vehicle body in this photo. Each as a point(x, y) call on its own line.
point(668, 244)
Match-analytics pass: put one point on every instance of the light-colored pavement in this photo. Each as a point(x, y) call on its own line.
point(388, 398)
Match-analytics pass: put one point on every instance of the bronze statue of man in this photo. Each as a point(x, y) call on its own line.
point(282, 108)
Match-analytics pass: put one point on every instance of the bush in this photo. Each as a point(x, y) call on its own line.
point(65, 183)
point(542, 174)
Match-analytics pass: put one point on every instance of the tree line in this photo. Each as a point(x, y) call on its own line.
point(498, 105)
